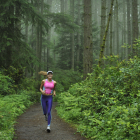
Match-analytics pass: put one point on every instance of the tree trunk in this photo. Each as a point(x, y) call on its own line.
point(37, 45)
point(9, 48)
point(32, 44)
point(128, 28)
point(78, 36)
point(40, 36)
point(124, 27)
point(117, 33)
point(72, 35)
point(108, 35)
point(18, 26)
point(111, 34)
point(134, 24)
point(62, 6)
point(54, 53)
point(103, 21)
point(95, 11)
point(88, 50)
point(66, 6)
point(26, 33)
point(104, 38)
point(114, 31)
point(108, 41)
point(49, 38)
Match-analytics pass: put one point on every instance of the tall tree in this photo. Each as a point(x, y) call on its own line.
point(94, 3)
point(32, 44)
point(114, 30)
point(105, 35)
point(78, 36)
point(107, 42)
point(111, 34)
point(88, 50)
point(117, 28)
point(26, 38)
point(11, 27)
point(37, 42)
point(40, 36)
point(124, 28)
point(66, 6)
point(72, 34)
point(62, 6)
point(103, 21)
point(134, 23)
point(49, 2)
point(128, 28)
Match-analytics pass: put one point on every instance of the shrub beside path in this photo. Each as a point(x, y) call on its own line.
point(32, 126)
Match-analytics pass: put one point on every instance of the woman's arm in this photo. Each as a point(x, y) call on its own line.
point(54, 88)
point(42, 84)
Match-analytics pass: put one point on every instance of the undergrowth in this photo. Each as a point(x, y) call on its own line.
point(105, 106)
point(12, 106)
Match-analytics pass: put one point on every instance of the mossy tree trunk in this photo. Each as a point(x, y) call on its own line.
point(103, 21)
point(104, 38)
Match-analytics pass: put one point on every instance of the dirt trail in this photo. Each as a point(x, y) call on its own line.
point(32, 126)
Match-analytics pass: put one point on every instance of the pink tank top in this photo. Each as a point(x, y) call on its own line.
point(48, 86)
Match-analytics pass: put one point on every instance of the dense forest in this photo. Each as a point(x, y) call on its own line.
point(92, 47)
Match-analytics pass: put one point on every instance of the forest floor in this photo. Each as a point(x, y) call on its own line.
point(31, 125)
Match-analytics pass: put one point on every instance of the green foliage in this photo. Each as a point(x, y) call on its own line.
point(28, 84)
point(15, 73)
point(6, 85)
point(106, 105)
point(66, 78)
point(12, 106)
point(14, 50)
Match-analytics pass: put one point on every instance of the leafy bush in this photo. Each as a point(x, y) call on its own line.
point(6, 85)
point(15, 73)
point(12, 106)
point(29, 84)
point(106, 105)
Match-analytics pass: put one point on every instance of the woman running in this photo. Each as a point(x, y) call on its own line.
point(48, 86)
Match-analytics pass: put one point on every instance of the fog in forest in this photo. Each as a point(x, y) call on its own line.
point(66, 34)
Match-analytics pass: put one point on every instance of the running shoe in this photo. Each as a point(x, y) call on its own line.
point(48, 129)
point(46, 117)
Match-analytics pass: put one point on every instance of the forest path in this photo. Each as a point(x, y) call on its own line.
point(32, 126)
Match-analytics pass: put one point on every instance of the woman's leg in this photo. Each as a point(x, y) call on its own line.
point(49, 107)
point(43, 103)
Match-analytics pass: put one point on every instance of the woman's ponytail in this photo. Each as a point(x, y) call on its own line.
point(42, 73)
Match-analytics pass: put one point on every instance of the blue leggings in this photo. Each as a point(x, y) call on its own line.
point(47, 101)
